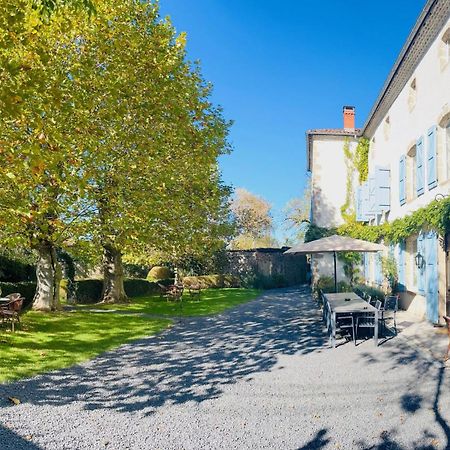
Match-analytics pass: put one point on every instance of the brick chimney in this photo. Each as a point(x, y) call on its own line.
point(349, 118)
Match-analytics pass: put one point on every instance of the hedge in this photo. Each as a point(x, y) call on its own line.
point(26, 288)
point(90, 290)
point(212, 281)
point(13, 271)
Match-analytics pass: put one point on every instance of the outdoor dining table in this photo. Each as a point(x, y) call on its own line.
point(346, 303)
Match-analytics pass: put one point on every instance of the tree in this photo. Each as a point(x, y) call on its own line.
point(297, 213)
point(154, 141)
point(253, 221)
point(40, 160)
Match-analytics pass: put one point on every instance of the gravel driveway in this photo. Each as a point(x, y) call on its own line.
point(258, 376)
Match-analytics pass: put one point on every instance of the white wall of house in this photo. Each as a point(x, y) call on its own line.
point(328, 185)
point(423, 103)
point(410, 117)
point(328, 179)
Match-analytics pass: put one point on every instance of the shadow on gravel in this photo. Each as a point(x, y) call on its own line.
point(422, 370)
point(190, 362)
point(319, 441)
point(12, 441)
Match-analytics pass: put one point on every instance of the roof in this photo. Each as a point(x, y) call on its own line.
point(336, 243)
point(326, 132)
point(430, 22)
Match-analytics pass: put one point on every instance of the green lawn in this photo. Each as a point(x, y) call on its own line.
point(212, 301)
point(52, 341)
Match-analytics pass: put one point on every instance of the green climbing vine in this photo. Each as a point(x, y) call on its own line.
point(435, 216)
point(361, 159)
point(347, 210)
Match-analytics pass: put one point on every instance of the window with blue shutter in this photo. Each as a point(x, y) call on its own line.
point(372, 195)
point(401, 266)
point(402, 180)
point(420, 168)
point(366, 267)
point(431, 158)
point(378, 271)
point(383, 188)
point(431, 277)
point(367, 215)
point(421, 274)
point(358, 203)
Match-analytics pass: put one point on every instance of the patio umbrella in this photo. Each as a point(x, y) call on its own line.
point(333, 244)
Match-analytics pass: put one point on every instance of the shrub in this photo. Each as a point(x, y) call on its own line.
point(26, 288)
point(326, 285)
point(260, 281)
point(135, 271)
point(212, 281)
point(137, 287)
point(376, 294)
point(13, 271)
point(88, 291)
point(159, 273)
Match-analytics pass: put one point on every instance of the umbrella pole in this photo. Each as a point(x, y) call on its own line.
point(335, 273)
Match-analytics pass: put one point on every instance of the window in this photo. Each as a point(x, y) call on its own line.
point(444, 49)
point(447, 144)
point(411, 268)
point(411, 176)
point(412, 95)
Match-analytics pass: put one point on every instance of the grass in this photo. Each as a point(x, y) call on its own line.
point(52, 341)
point(212, 301)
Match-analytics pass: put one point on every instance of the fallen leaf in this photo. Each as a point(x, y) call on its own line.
point(14, 400)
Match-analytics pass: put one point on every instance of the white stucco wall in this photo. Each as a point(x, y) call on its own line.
point(410, 119)
point(328, 179)
point(411, 116)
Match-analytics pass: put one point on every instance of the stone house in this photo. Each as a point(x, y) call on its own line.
point(409, 163)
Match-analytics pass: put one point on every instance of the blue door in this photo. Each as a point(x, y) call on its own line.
point(431, 278)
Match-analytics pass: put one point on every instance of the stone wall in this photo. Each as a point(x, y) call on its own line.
point(269, 263)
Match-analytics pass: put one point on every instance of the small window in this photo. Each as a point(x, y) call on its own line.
point(411, 176)
point(387, 127)
point(447, 145)
point(444, 49)
point(412, 96)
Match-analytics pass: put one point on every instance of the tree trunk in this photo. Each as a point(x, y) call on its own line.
point(48, 276)
point(113, 289)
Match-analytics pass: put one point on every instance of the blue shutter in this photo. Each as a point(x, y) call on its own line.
point(372, 195)
point(431, 158)
point(367, 215)
point(421, 270)
point(378, 271)
point(432, 277)
point(366, 267)
point(401, 266)
point(358, 203)
point(402, 180)
point(420, 169)
point(383, 188)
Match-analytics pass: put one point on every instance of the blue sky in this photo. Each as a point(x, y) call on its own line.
point(282, 67)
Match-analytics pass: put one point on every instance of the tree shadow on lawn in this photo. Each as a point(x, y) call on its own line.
point(191, 362)
point(424, 370)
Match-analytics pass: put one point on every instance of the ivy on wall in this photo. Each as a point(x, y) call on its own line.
point(435, 216)
point(347, 210)
point(361, 159)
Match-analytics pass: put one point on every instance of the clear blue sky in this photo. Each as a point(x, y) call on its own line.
point(282, 67)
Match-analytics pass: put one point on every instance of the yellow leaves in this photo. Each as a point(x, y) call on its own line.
point(10, 175)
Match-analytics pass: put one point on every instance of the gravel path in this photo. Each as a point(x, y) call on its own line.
point(258, 376)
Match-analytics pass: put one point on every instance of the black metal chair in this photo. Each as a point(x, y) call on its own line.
point(366, 320)
point(344, 322)
point(389, 311)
